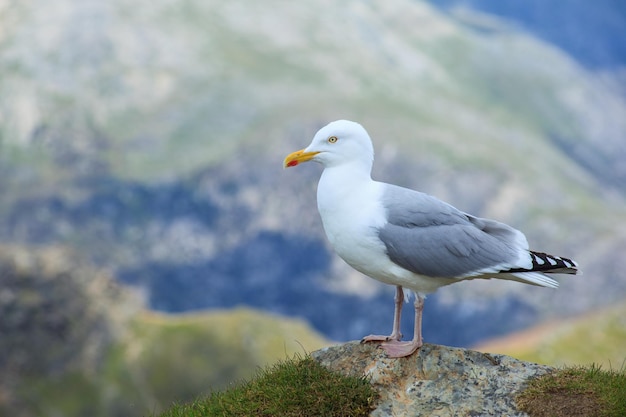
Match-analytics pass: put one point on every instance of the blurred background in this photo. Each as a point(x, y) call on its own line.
point(152, 248)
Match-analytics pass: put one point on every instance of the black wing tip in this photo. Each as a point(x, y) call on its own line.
point(550, 264)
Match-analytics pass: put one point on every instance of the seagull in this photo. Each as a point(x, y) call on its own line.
point(407, 238)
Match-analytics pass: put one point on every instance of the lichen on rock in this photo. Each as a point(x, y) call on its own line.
point(436, 380)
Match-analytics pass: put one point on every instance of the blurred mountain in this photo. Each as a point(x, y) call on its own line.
point(149, 135)
point(588, 31)
point(76, 343)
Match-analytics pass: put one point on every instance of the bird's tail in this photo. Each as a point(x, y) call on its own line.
point(542, 263)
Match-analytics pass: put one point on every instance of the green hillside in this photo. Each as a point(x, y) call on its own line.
point(74, 343)
point(166, 359)
point(174, 358)
point(595, 338)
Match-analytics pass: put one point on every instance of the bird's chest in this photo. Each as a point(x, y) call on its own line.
point(351, 217)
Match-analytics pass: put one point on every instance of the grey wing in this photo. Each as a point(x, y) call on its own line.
point(432, 238)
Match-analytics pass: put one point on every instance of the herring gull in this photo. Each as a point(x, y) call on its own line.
point(407, 238)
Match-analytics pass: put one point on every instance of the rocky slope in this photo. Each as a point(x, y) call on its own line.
point(60, 317)
point(436, 380)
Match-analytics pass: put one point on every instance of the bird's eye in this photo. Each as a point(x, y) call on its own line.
point(332, 139)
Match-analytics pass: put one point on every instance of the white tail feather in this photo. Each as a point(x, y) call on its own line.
point(534, 278)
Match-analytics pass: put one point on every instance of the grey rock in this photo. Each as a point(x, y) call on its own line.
point(436, 380)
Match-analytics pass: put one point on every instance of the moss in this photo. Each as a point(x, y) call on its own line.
point(577, 391)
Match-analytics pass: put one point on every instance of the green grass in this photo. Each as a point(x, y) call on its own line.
point(576, 391)
point(293, 387)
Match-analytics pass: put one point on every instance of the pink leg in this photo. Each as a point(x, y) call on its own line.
point(395, 334)
point(397, 349)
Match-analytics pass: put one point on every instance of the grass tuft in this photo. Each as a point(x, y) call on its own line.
point(576, 391)
point(294, 387)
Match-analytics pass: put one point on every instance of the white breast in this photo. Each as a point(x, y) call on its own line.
point(352, 211)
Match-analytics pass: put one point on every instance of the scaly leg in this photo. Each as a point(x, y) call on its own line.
point(397, 349)
point(395, 334)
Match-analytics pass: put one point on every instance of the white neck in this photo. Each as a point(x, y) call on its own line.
point(340, 183)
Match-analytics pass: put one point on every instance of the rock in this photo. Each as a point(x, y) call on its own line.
point(436, 380)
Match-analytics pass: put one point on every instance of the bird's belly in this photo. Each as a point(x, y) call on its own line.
point(363, 251)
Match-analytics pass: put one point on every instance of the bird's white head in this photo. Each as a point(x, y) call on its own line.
point(338, 143)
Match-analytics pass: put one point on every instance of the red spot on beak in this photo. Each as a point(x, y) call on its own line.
point(292, 163)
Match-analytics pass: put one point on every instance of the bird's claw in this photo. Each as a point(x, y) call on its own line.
point(379, 338)
point(396, 349)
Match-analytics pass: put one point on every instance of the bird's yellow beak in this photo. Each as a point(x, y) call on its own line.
point(297, 157)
